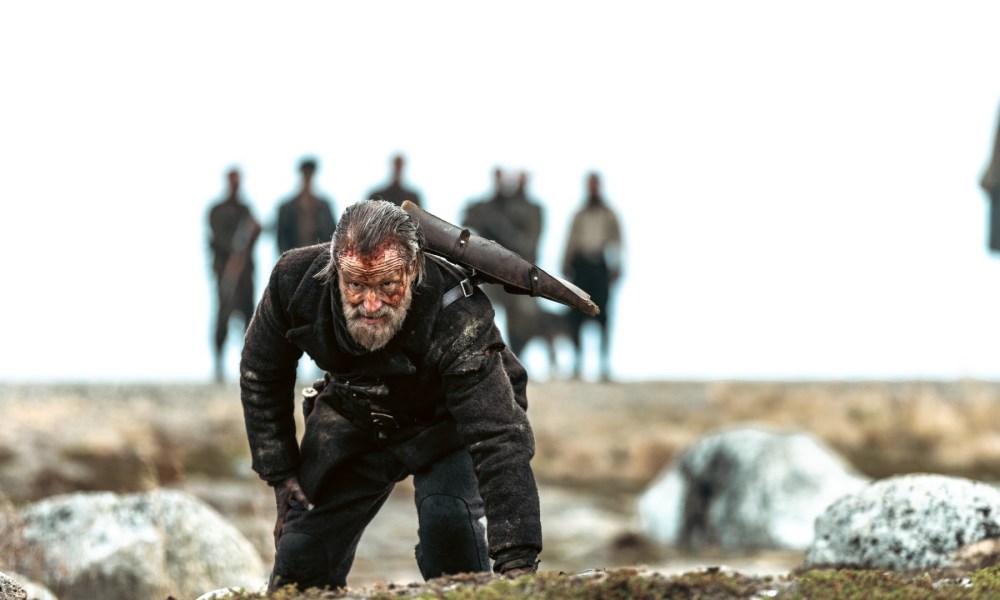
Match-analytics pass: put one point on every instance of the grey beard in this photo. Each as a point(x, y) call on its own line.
point(373, 338)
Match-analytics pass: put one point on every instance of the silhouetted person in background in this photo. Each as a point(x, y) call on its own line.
point(306, 218)
point(512, 220)
point(233, 232)
point(991, 185)
point(526, 215)
point(592, 261)
point(508, 218)
point(395, 192)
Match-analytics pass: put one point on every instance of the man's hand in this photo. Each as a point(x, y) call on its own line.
point(288, 494)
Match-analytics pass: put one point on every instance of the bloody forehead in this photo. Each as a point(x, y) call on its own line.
point(384, 260)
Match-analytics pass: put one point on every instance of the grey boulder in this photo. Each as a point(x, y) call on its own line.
point(145, 545)
point(746, 488)
point(11, 589)
point(906, 522)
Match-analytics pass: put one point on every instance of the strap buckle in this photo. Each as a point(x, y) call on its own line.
point(464, 289)
point(383, 425)
point(384, 421)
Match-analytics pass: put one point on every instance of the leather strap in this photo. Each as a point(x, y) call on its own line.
point(461, 244)
point(536, 288)
point(464, 289)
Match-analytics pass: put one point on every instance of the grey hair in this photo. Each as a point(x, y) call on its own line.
point(366, 226)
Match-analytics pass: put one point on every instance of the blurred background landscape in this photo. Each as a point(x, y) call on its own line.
point(805, 237)
point(797, 184)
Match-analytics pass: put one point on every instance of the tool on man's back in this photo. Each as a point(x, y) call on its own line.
point(493, 263)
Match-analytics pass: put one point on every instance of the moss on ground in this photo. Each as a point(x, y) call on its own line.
point(710, 584)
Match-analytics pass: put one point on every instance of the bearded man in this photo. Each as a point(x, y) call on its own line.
point(418, 382)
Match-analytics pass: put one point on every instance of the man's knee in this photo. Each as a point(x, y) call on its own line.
point(452, 539)
point(301, 559)
point(444, 511)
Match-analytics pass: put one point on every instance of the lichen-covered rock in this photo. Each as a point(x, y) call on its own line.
point(11, 589)
point(906, 522)
point(147, 545)
point(33, 589)
point(744, 489)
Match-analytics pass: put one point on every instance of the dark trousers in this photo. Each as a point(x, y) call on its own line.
point(316, 547)
point(593, 276)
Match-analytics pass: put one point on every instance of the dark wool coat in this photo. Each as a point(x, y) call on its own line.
point(447, 361)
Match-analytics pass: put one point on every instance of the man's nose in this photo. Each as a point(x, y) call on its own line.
point(372, 302)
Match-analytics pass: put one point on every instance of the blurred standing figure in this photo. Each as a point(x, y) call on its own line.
point(395, 192)
point(512, 220)
point(592, 261)
point(233, 232)
point(306, 218)
point(478, 213)
point(991, 185)
point(526, 215)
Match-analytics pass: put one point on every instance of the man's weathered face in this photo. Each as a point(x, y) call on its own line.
point(376, 293)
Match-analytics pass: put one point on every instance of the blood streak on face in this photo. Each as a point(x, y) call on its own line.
point(376, 293)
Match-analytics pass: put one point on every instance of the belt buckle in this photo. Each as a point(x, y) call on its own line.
point(383, 420)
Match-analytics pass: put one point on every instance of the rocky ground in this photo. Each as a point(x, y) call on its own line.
point(599, 445)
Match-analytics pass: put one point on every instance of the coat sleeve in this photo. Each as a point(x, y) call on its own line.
point(484, 390)
point(267, 383)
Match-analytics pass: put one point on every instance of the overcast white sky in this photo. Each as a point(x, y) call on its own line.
point(797, 180)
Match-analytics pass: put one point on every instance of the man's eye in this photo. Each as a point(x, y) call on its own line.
point(354, 285)
point(388, 284)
